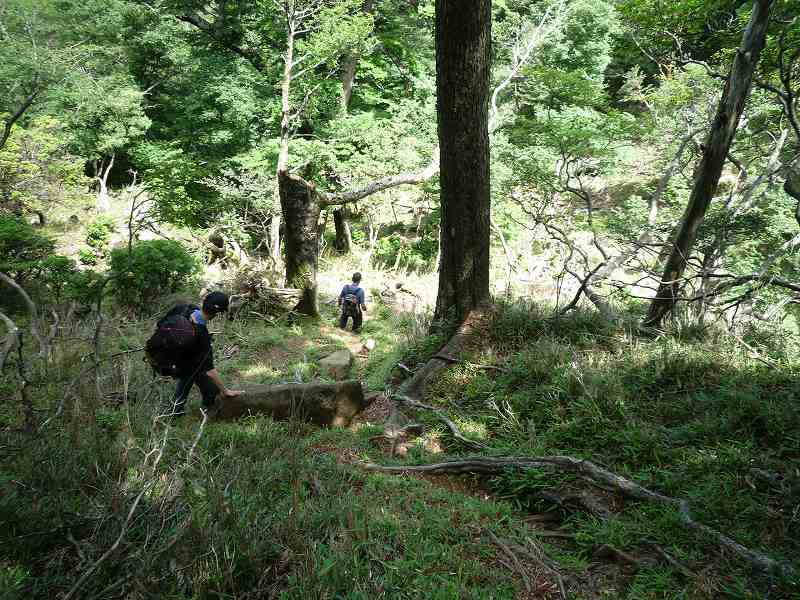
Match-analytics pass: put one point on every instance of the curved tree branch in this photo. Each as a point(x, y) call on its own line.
point(380, 185)
point(9, 341)
point(43, 345)
point(598, 476)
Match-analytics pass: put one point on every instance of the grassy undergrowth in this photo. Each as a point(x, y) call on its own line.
point(257, 509)
point(697, 419)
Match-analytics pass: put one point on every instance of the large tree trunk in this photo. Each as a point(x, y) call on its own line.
point(463, 51)
point(329, 404)
point(344, 240)
point(715, 151)
point(301, 215)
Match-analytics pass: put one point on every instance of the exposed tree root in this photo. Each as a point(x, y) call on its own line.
point(548, 566)
point(517, 565)
point(454, 430)
point(598, 475)
point(415, 387)
point(671, 560)
point(606, 552)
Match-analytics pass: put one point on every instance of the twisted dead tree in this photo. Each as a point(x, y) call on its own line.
point(715, 152)
point(601, 477)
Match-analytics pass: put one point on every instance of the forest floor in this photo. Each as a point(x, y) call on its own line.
point(262, 509)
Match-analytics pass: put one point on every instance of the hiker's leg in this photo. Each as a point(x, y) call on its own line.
point(343, 321)
point(358, 318)
point(181, 394)
point(208, 389)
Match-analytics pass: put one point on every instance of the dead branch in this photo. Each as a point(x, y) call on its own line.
point(197, 438)
point(604, 551)
point(583, 288)
point(753, 353)
point(522, 52)
point(519, 568)
point(488, 368)
point(534, 552)
point(599, 475)
point(27, 402)
point(671, 560)
point(90, 571)
point(9, 341)
point(43, 347)
point(454, 430)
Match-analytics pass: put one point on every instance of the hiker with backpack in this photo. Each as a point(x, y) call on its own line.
point(181, 348)
point(353, 303)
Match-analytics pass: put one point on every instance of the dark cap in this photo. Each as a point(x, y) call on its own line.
point(356, 277)
point(215, 302)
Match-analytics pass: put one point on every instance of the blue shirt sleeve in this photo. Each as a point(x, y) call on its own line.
point(361, 296)
point(343, 292)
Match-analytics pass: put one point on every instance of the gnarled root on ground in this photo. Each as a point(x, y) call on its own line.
point(599, 476)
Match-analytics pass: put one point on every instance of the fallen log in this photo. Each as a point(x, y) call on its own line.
point(327, 404)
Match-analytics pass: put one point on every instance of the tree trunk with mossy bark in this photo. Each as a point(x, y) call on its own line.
point(301, 215)
point(344, 241)
point(463, 56)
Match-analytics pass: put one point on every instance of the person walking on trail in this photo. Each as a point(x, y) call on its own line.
point(181, 348)
point(353, 302)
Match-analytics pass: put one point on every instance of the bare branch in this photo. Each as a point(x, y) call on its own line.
point(9, 341)
point(454, 430)
point(43, 347)
point(522, 55)
point(90, 571)
point(383, 184)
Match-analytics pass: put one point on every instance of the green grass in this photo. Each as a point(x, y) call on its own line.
point(262, 508)
point(689, 418)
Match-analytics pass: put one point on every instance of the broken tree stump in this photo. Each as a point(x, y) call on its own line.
point(328, 404)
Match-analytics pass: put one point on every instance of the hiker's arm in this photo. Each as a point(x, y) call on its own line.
point(213, 375)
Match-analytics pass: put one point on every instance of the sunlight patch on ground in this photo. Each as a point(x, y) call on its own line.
point(473, 428)
point(258, 371)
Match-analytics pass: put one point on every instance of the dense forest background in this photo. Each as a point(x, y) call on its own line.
point(578, 224)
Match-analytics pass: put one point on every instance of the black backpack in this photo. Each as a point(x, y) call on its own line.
point(175, 337)
point(350, 305)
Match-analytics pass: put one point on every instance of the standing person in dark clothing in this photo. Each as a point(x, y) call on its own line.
point(181, 348)
point(353, 302)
